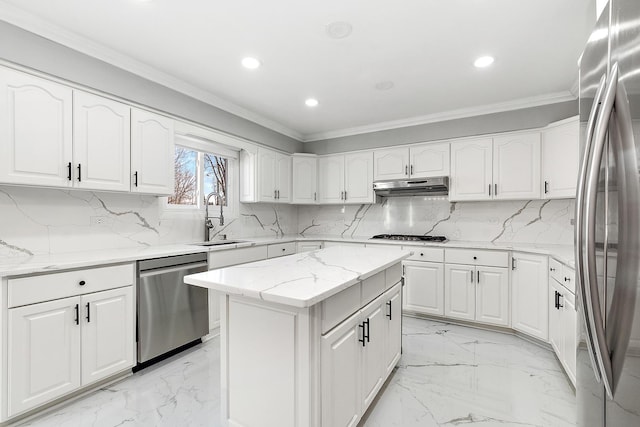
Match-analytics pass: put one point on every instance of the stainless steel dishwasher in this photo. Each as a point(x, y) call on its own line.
point(171, 314)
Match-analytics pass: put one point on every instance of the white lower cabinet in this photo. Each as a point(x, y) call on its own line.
point(356, 358)
point(424, 287)
point(58, 346)
point(563, 323)
point(477, 293)
point(529, 286)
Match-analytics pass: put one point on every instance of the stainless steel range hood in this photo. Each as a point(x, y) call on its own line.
point(438, 186)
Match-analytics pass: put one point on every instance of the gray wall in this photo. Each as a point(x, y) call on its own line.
point(525, 118)
point(30, 50)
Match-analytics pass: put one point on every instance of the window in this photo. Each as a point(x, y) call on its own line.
point(198, 174)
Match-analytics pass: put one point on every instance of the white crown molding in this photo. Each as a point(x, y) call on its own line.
point(27, 21)
point(516, 104)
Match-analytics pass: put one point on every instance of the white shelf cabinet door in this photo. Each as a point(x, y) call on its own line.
point(358, 177)
point(529, 287)
point(471, 170)
point(556, 329)
point(560, 151)
point(152, 153)
point(331, 179)
point(341, 373)
point(393, 314)
point(569, 322)
point(305, 180)
point(35, 131)
point(283, 178)
point(44, 353)
point(101, 143)
point(373, 352)
point(424, 287)
point(459, 291)
point(429, 160)
point(107, 333)
point(516, 166)
point(492, 295)
point(266, 178)
point(391, 163)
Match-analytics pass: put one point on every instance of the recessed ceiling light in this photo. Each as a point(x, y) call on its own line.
point(311, 102)
point(385, 85)
point(483, 61)
point(339, 30)
point(250, 63)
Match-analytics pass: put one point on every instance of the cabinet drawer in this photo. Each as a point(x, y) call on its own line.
point(47, 287)
point(555, 270)
point(340, 306)
point(219, 259)
point(477, 257)
point(308, 246)
point(569, 279)
point(425, 254)
point(281, 249)
point(372, 287)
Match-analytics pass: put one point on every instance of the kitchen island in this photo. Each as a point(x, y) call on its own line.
point(307, 339)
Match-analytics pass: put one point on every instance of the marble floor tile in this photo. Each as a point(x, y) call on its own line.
point(449, 375)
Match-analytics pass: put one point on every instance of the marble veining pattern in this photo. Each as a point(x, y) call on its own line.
point(531, 221)
point(303, 279)
point(448, 376)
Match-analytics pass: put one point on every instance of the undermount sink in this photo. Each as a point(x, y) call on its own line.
point(219, 242)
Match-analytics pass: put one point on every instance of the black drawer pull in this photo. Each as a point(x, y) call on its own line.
point(88, 313)
point(389, 313)
point(77, 314)
point(367, 323)
point(82, 283)
point(69, 171)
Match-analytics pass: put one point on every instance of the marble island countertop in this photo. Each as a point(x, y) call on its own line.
point(300, 280)
point(14, 266)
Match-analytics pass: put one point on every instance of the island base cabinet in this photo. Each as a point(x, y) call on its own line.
point(44, 353)
point(393, 307)
point(58, 346)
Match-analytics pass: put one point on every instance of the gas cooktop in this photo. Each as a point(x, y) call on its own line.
point(411, 238)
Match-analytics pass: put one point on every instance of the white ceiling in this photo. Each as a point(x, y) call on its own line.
point(426, 47)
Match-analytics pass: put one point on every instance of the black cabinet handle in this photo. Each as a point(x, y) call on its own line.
point(489, 189)
point(88, 313)
point(567, 279)
point(475, 257)
point(363, 335)
point(135, 179)
point(411, 169)
point(421, 254)
point(495, 189)
point(79, 172)
point(367, 323)
point(560, 305)
point(69, 171)
point(546, 187)
point(389, 313)
point(552, 269)
point(478, 281)
point(77, 314)
point(555, 299)
point(513, 263)
point(82, 283)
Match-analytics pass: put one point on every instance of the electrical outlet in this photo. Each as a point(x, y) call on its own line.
point(98, 220)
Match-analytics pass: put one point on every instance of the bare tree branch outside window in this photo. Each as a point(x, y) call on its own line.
point(215, 170)
point(185, 185)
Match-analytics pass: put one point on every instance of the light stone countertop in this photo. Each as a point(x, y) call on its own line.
point(14, 266)
point(300, 280)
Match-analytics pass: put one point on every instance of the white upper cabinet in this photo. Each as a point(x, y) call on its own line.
point(560, 151)
point(358, 178)
point(346, 178)
point(391, 163)
point(273, 177)
point(152, 153)
point(429, 160)
point(471, 170)
point(417, 161)
point(101, 143)
point(35, 131)
point(516, 166)
point(305, 179)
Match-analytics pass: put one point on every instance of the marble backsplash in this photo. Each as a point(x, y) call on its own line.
point(35, 221)
point(533, 221)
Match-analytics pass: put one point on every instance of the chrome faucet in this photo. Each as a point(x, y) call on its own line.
point(208, 225)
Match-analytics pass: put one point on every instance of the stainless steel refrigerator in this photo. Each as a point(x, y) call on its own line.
point(608, 222)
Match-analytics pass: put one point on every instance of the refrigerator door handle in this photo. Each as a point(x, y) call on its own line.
point(623, 302)
point(592, 308)
point(579, 227)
